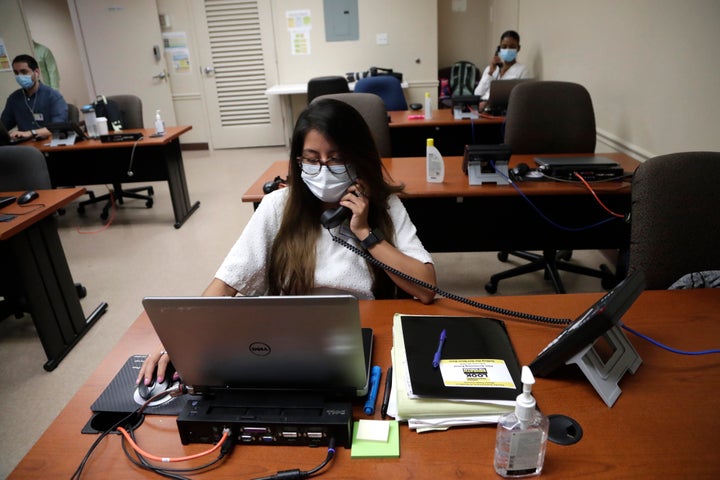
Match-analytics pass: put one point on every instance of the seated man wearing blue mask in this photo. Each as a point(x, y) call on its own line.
point(34, 105)
point(503, 65)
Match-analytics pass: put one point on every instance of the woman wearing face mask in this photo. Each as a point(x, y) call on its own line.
point(284, 249)
point(503, 65)
point(34, 105)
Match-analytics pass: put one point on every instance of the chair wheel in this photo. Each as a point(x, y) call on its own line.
point(503, 257)
point(81, 209)
point(81, 290)
point(61, 211)
point(491, 287)
point(151, 191)
point(565, 255)
point(104, 215)
point(149, 203)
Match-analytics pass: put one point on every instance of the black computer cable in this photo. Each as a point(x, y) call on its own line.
point(451, 296)
point(297, 474)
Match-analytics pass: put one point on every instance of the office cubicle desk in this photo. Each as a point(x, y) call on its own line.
point(32, 257)
point(92, 162)
point(447, 214)
point(408, 135)
point(663, 425)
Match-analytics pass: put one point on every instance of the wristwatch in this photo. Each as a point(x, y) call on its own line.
point(373, 239)
point(33, 133)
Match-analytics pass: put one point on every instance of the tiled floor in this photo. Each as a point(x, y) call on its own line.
point(142, 254)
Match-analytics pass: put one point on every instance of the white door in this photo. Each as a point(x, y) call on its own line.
point(124, 49)
point(236, 51)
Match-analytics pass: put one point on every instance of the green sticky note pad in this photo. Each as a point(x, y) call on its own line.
point(373, 448)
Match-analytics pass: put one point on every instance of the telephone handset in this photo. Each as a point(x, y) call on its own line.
point(497, 52)
point(333, 217)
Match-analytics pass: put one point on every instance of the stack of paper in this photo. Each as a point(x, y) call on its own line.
point(476, 381)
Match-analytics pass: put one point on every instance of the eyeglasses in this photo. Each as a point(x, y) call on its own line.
point(312, 166)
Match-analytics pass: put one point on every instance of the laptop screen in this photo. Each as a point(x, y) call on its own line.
point(283, 342)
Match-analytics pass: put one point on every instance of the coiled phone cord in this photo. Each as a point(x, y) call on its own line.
point(451, 296)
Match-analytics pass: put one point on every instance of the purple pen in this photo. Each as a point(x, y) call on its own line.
point(438, 352)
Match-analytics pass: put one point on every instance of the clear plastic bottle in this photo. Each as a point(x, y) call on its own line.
point(522, 435)
point(434, 163)
point(159, 124)
point(428, 106)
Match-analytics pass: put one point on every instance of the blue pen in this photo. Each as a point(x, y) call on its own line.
point(374, 387)
point(438, 352)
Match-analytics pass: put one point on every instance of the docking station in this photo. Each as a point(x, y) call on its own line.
point(267, 418)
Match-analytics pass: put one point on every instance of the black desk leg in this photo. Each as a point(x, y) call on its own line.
point(52, 299)
point(178, 183)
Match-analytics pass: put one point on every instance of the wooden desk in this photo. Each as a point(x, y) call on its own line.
point(663, 425)
point(33, 259)
point(92, 162)
point(450, 135)
point(446, 213)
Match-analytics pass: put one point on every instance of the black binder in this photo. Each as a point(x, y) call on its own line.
point(467, 338)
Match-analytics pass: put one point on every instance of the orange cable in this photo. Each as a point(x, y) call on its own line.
point(142, 452)
point(590, 189)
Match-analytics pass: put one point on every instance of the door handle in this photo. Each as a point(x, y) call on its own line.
point(209, 70)
point(161, 76)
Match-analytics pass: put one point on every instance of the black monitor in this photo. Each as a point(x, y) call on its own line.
point(65, 133)
point(588, 327)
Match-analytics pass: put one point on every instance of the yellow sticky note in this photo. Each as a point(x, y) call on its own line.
point(376, 448)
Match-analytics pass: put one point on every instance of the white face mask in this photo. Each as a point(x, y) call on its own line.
point(327, 186)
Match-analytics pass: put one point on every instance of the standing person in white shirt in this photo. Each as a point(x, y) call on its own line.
point(503, 65)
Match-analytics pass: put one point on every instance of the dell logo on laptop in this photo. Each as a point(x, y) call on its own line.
point(260, 349)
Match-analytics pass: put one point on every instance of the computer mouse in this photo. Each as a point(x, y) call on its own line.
point(416, 106)
point(146, 392)
point(28, 196)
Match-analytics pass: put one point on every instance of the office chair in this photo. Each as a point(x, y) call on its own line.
point(132, 117)
point(386, 87)
point(673, 218)
point(549, 117)
point(21, 168)
point(372, 109)
point(323, 85)
point(73, 113)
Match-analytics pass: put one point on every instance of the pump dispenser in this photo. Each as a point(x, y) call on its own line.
point(159, 124)
point(522, 435)
point(434, 163)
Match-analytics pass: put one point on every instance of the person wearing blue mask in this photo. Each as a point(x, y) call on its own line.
point(34, 105)
point(503, 65)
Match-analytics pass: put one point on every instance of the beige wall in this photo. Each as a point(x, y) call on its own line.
point(650, 66)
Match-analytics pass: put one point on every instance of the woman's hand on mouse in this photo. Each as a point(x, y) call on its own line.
point(159, 360)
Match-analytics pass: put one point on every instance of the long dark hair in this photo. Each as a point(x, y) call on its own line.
point(293, 253)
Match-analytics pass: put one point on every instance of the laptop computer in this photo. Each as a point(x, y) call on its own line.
point(590, 167)
point(500, 95)
point(304, 343)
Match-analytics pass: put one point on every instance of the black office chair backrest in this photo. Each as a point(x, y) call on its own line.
point(386, 87)
point(550, 117)
point(674, 217)
point(372, 109)
point(324, 85)
point(73, 113)
point(131, 110)
point(23, 168)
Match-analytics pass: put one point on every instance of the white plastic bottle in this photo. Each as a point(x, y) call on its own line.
point(522, 435)
point(434, 163)
point(159, 124)
point(428, 106)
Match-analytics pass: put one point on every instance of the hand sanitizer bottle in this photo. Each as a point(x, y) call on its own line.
point(428, 106)
point(522, 435)
point(159, 124)
point(435, 166)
